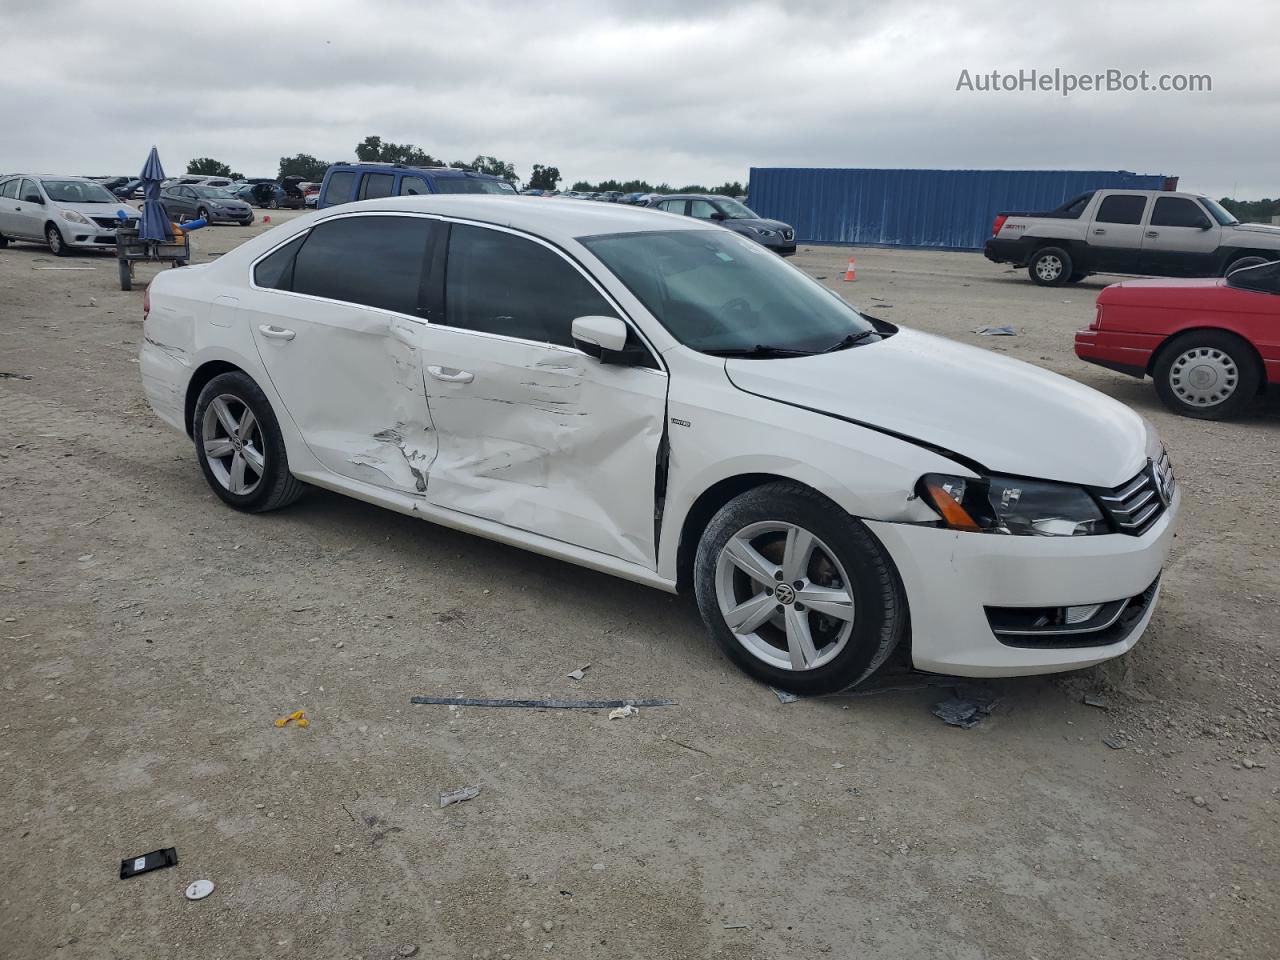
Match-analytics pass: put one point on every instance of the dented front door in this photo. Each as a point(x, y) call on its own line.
point(351, 380)
point(545, 439)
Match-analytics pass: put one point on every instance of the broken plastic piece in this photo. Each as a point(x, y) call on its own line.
point(967, 708)
point(1115, 743)
point(155, 860)
point(1005, 331)
point(542, 704)
point(1099, 702)
point(626, 710)
point(460, 795)
point(298, 716)
point(784, 696)
point(199, 890)
point(578, 674)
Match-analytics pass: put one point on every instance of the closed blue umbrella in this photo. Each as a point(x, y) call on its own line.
point(154, 224)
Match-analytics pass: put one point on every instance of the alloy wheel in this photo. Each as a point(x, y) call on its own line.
point(54, 236)
point(233, 444)
point(1204, 376)
point(1048, 268)
point(784, 595)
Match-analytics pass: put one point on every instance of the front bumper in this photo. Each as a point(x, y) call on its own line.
point(952, 577)
point(90, 236)
point(242, 217)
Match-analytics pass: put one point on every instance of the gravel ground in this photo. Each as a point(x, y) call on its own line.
point(151, 637)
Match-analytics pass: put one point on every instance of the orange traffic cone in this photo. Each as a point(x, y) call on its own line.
point(267, 218)
point(852, 273)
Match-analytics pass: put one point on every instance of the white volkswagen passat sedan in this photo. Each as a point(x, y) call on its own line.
point(643, 395)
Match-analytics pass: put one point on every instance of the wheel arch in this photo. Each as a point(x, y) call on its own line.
point(1229, 255)
point(202, 375)
point(1171, 341)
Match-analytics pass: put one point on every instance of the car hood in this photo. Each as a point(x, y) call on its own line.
point(1259, 228)
point(99, 209)
point(1011, 417)
point(758, 222)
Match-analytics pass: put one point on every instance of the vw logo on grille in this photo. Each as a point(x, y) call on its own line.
point(783, 593)
point(1162, 474)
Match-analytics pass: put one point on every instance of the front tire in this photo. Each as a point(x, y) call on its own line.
point(240, 447)
point(57, 245)
point(203, 214)
point(796, 592)
point(1050, 266)
point(1207, 374)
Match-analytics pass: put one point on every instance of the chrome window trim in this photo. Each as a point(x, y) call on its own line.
point(609, 299)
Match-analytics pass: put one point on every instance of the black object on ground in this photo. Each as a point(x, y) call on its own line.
point(542, 704)
point(155, 860)
point(968, 708)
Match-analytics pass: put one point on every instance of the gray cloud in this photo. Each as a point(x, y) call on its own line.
point(659, 89)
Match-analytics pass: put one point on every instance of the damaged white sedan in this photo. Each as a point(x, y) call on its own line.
point(633, 392)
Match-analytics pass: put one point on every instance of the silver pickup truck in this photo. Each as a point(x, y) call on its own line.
point(1150, 232)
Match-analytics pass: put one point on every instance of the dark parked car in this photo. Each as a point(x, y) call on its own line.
point(345, 182)
point(197, 202)
point(777, 236)
point(271, 195)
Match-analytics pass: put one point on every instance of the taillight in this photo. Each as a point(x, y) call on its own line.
point(1097, 319)
point(1000, 219)
point(146, 301)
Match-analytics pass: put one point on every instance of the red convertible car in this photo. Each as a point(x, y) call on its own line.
point(1210, 345)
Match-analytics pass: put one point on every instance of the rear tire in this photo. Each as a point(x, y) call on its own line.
point(818, 605)
point(126, 275)
point(1207, 374)
point(57, 245)
point(240, 447)
point(1050, 266)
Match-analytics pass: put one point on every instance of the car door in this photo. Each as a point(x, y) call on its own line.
point(9, 205)
point(336, 316)
point(534, 433)
point(1115, 235)
point(1181, 239)
point(29, 213)
point(175, 203)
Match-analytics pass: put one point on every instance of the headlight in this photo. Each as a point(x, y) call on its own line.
point(72, 217)
point(1010, 505)
point(764, 232)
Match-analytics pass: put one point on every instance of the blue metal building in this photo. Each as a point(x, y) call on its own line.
point(945, 209)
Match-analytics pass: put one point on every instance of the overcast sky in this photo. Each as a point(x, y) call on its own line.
point(664, 90)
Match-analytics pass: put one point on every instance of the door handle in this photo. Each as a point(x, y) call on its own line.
point(276, 333)
point(1152, 234)
point(451, 375)
point(1099, 231)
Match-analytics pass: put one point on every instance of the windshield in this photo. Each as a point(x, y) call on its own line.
point(472, 185)
point(215, 193)
point(715, 290)
point(737, 211)
point(77, 191)
point(1219, 212)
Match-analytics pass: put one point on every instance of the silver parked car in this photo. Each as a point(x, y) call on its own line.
point(197, 202)
point(64, 212)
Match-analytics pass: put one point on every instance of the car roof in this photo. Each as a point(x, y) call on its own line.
point(692, 196)
point(383, 166)
point(554, 221)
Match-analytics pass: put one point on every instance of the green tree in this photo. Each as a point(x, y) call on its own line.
point(544, 178)
point(734, 189)
point(302, 165)
point(581, 186)
point(377, 150)
point(1252, 211)
point(490, 165)
point(208, 167)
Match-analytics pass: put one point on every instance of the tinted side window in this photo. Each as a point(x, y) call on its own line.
point(339, 189)
point(376, 261)
point(30, 193)
point(1121, 208)
point(413, 187)
point(376, 185)
point(673, 206)
point(276, 271)
point(1177, 212)
point(499, 283)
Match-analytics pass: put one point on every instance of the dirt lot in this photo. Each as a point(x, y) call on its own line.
point(150, 637)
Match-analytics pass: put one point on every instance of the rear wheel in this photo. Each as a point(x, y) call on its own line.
point(796, 592)
point(57, 245)
point(1050, 266)
point(1207, 374)
point(239, 445)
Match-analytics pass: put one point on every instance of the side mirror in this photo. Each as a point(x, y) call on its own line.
point(605, 338)
point(717, 216)
point(1204, 223)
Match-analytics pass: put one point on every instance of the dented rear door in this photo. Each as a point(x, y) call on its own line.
point(532, 432)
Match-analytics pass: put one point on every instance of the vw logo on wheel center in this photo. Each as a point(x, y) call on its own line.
point(783, 593)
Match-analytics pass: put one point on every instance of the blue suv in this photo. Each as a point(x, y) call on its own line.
point(344, 182)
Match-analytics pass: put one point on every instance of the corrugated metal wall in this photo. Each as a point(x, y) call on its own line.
point(950, 209)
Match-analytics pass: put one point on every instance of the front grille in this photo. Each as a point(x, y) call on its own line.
point(110, 223)
point(1049, 627)
point(1135, 505)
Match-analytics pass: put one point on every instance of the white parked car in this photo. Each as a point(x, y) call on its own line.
point(64, 212)
point(672, 403)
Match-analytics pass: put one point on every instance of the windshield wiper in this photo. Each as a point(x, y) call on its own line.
point(850, 340)
point(759, 350)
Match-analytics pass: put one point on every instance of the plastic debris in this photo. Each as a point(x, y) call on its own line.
point(1099, 702)
point(1005, 331)
point(298, 716)
point(626, 710)
point(578, 674)
point(461, 795)
point(552, 704)
point(1115, 743)
point(784, 696)
point(968, 708)
point(13, 376)
point(731, 925)
point(199, 890)
point(155, 860)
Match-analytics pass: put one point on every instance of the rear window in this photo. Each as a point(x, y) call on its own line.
point(339, 187)
point(1121, 208)
point(276, 270)
point(472, 185)
point(375, 261)
point(376, 185)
